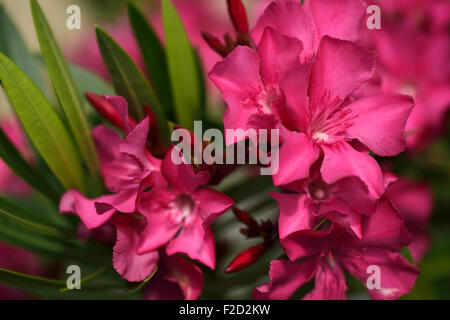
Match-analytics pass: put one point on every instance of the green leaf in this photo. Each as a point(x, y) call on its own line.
point(23, 280)
point(41, 122)
point(182, 68)
point(129, 81)
point(406, 253)
point(13, 46)
point(28, 224)
point(153, 54)
point(65, 89)
point(87, 81)
point(16, 162)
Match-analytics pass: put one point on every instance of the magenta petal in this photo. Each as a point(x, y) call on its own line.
point(294, 213)
point(329, 282)
point(381, 122)
point(305, 243)
point(158, 231)
point(127, 262)
point(74, 202)
point(290, 19)
point(106, 141)
point(285, 278)
point(340, 19)
point(294, 85)
point(397, 275)
point(186, 274)
point(340, 68)
point(181, 177)
point(278, 54)
point(211, 203)
point(135, 145)
point(238, 73)
point(297, 154)
point(197, 242)
point(341, 161)
point(121, 105)
point(385, 227)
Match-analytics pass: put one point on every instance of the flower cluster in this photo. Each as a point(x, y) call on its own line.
point(301, 75)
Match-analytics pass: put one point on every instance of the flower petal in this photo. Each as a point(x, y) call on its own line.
point(340, 68)
point(380, 122)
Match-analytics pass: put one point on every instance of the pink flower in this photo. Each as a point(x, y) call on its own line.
point(249, 80)
point(174, 277)
point(414, 201)
point(310, 22)
point(325, 254)
point(326, 119)
point(346, 202)
point(178, 210)
point(126, 167)
point(413, 50)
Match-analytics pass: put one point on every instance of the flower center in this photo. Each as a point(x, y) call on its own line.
point(318, 190)
point(328, 119)
point(183, 205)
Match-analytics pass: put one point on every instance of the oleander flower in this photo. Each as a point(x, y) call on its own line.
point(326, 119)
point(325, 254)
point(311, 200)
point(413, 51)
point(126, 167)
point(179, 210)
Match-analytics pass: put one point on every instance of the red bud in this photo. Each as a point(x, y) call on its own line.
point(214, 43)
point(244, 217)
point(246, 258)
point(107, 111)
point(238, 16)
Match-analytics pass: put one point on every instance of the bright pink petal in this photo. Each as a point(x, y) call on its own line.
point(197, 242)
point(106, 141)
point(181, 177)
point(397, 275)
point(297, 154)
point(278, 54)
point(290, 19)
point(295, 85)
point(380, 122)
point(340, 68)
point(342, 161)
point(285, 278)
point(305, 243)
point(127, 262)
point(211, 203)
point(329, 282)
point(354, 193)
point(385, 227)
point(295, 214)
point(238, 73)
point(121, 105)
point(73, 202)
point(340, 19)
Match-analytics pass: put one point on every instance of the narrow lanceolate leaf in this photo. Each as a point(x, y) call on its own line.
point(14, 160)
point(129, 81)
point(153, 54)
point(65, 89)
point(182, 68)
point(41, 122)
point(13, 46)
